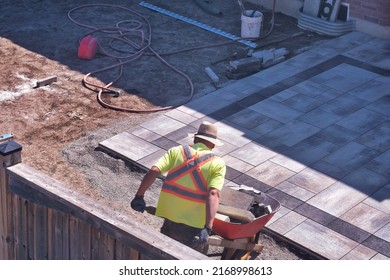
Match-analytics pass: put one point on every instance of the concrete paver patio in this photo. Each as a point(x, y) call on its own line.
point(313, 132)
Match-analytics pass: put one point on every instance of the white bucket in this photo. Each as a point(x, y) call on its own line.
point(251, 24)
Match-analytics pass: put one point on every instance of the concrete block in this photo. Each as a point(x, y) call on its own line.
point(245, 64)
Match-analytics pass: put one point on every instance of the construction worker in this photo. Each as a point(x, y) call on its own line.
point(189, 197)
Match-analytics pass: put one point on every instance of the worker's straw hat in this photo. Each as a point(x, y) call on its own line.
point(208, 131)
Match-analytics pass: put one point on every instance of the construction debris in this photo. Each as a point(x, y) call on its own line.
point(258, 60)
point(212, 75)
point(45, 82)
point(6, 136)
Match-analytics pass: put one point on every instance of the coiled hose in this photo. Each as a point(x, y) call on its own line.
point(125, 35)
point(136, 50)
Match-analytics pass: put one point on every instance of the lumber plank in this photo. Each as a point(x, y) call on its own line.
point(215, 240)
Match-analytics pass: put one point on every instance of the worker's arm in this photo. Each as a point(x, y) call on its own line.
point(148, 180)
point(212, 203)
point(138, 202)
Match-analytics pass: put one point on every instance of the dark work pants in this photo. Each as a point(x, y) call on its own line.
point(184, 234)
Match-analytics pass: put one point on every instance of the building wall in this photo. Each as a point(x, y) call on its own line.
point(374, 11)
point(372, 17)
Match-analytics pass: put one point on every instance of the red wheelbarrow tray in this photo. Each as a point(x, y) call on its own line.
point(230, 230)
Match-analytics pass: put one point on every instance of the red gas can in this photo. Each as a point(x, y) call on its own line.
point(88, 47)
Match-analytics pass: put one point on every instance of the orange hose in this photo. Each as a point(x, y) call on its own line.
point(122, 34)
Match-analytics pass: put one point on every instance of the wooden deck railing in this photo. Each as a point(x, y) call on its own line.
point(41, 218)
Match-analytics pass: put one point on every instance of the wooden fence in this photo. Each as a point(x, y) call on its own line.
point(40, 218)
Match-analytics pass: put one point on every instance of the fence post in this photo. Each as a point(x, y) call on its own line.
point(10, 154)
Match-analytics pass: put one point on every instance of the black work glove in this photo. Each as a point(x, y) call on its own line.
point(138, 203)
point(203, 235)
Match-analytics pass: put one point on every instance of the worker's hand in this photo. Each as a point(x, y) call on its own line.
point(203, 235)
point(138, 203)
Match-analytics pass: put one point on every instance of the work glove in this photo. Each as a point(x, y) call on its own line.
point(138, 203)
point(203, 235)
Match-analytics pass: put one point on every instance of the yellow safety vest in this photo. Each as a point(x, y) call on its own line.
point(180, 201)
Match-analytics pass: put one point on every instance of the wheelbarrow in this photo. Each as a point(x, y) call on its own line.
point(240, 239)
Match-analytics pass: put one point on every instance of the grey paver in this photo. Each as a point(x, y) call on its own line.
point(311, 88)
point(329, 169)
point(377, 138)
point(287, 222)
point(380, 199)
point(347, 102)
point(267, 126)
point(248, 118)
point(306, 60)
point(302, 102)
point(365, 180)
point(237, 164)
point(322, 240)
point(373, 89)
point(337, 199)
point(366, 218)
point(253, 153)
point(368, 51)
point(287, 162)
point(130, 146)
point(295, 191)
point(337, 134)
point(381, 60)
point(162, 125)
point(293, 132)
point(320, 118)
point(270, 173)
point(344, 77)
point(277, 73)
point(382, 106)
point(380, 164)
point(233, 135)
point(384, 232)
point(321, 144)
point(144, 133)
point(351, 156)
point(361, 252)
point(276, 110)
point(205, 105)
point(181, 116)
point(284, 95)
point(380, 257)
point(305, 153)
point(311, 180)
point(149, 160)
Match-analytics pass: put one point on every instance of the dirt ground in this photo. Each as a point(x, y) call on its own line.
point(60, 125)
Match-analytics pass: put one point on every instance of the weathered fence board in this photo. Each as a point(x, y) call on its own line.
point(40, 218)
point(20, 221)
point(46, 192)
point(10, 154)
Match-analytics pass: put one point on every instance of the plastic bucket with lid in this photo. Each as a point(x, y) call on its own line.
point(251, 24)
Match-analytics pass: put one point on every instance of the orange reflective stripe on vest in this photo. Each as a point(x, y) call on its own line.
point(191, 167)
